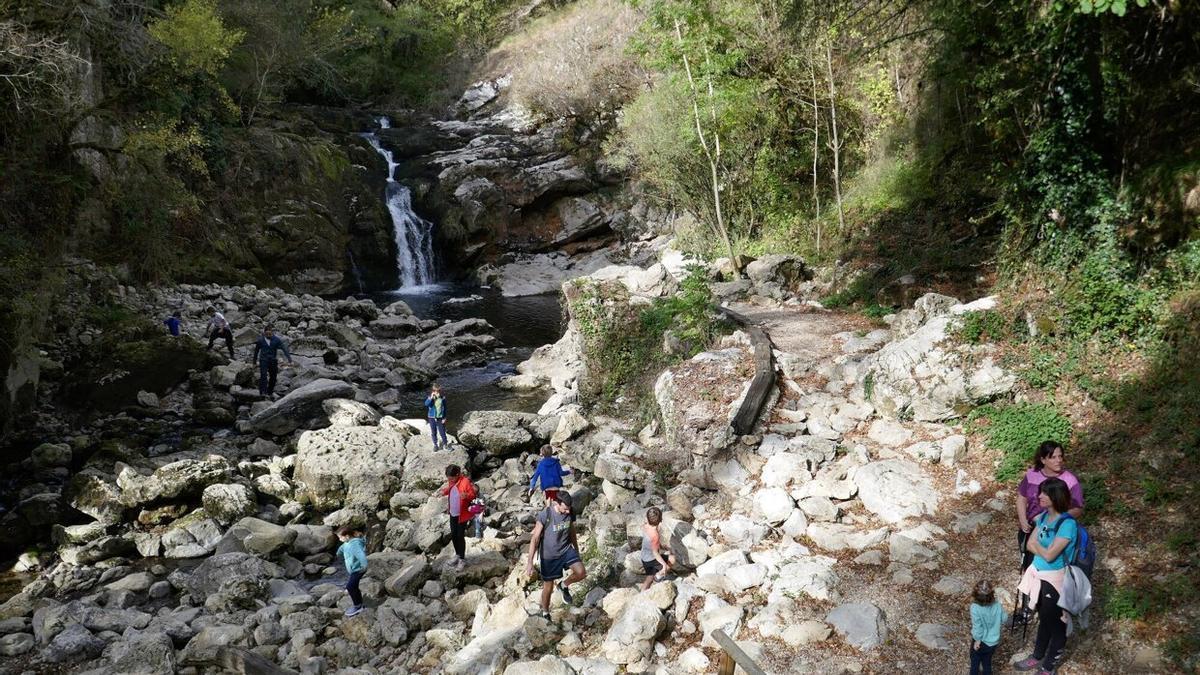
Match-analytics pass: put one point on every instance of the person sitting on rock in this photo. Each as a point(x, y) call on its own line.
point(654, 561)
point(460, 492)
point(173, 323)
point(354, 552)
point(554, 536)
point(218, 327)
point(549, 472)
point(266, 352)
point(435, 407)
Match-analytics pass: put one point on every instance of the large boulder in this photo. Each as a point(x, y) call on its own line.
point(502, 433)
point(343, 412)
point(208, 577)
point(299, 407)
point(181, 479)
point(252, 535)
point(226, 502)
point(777, 275)
point(342, 466)
point(96, 495)
point(142, 653)
point(128, 361)
point(631, 638)
point(861, 624)
point(896, 489)
point(925, 374)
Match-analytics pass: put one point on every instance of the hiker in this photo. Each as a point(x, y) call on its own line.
point(173, 323)
point(218, 327)
point(1052, 543)
point(987, 617)
point(549, 472)
point(654, 562)
point(266, 352)
point(1048, 462)
point(354, 552)
point(554, 535)
point(435, 407)
point(460, 492)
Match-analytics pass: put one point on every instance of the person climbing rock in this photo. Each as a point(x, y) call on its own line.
point(354, 552)
point(654, 562)
point(554, 536)
point(435, 407)
point(549, 472)
point(266, 353)
point(1052, 543)
point(218, 327)
point(460, 491)
point(174, 323)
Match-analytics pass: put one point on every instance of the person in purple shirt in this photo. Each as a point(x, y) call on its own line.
point(1048, 462)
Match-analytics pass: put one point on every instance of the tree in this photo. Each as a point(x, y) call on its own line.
point(196, 35)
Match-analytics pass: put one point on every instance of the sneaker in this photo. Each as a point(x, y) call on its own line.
point(545, 615)
point(354, 610)
point(1027, 664)
point(565, 593)
point(460, 563)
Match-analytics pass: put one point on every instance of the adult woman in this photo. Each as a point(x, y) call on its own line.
point(1048, 463)
point(1052, 543)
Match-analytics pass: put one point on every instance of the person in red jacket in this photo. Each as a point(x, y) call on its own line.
point(460, 491)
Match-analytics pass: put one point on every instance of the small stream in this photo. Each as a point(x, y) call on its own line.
point(523, 324)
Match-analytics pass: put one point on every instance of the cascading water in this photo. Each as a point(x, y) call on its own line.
point(414, 234)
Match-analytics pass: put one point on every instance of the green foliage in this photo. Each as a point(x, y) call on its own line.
point(982, 326)
point(196, 35)
point(1098, 497)
point(1126, 603)
point(874, 311)
point(1098, 7)
point(1017, 430)
point(623, 342)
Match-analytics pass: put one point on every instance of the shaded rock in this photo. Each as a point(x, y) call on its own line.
point(184, 478)
point(299, 406)
point(74, 643)
point(861, 624)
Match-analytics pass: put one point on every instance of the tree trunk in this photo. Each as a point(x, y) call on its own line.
point(812, 71)
point(837, 146)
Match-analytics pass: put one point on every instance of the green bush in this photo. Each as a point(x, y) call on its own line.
point(1017, 430)
point(983, 326)
point(1124, 602)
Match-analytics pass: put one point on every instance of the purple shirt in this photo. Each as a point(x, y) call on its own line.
point(1034, 478)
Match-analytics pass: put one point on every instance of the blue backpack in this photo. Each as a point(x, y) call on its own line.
point(1085, 547)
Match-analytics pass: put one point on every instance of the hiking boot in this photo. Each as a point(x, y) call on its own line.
point(566, 594)
point(1027, 664)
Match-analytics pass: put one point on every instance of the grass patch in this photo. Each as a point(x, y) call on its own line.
point(1017, 430)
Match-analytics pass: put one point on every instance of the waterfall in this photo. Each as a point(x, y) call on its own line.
point(414, 234)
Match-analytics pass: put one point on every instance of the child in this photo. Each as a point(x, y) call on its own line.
point(354, 551)
point(174, 322)
point(550, 473)
point(477, 508)
point(987, 616)
point(653, 560)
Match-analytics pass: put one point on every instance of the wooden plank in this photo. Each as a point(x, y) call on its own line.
point(735, 652)
point(764, 374)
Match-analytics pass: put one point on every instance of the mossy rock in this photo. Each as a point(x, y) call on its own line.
point(139, 358)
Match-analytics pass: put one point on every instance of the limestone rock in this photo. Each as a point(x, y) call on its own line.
point(935, 636)
point(896, 489)
point(631, 637)
point(299, 406)
point(347, 413)
point(343, 466)
point(502, 433)
point(226, 502)
point(861, 624)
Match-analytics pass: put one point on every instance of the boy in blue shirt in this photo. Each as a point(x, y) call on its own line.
point(354, 552)
point(173, 323)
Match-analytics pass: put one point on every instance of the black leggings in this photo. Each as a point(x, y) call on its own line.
point(458, 535)
point(1052, 630)
point(352, 588)
point(227, 334)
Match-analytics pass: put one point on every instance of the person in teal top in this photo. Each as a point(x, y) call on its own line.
point(1053, 548)
point(987, 616)
point(435, 410)
point(354, 552)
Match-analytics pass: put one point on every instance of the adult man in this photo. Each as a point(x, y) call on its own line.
point(266, 352)
point(435, 407)
point(554, 535)
point(219, 327)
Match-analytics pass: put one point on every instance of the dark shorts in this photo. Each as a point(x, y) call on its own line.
point(553, 568)
point(652, 567)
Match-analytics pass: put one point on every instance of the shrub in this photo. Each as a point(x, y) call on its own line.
point(984, 326)
point(1126, 603)
point(1017, 430)
point(196, 35)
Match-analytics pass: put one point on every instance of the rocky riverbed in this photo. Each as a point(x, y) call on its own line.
point(848, 519)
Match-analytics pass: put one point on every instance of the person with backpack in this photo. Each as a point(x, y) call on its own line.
point(554, 536)
point(1053, 545)
point(174, 323)
point(354, 552)
point(987, 617)
point(435, 410)
point(1048, 462)
point(460, 492)
point(549, 472)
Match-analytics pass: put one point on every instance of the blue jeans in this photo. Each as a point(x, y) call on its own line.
point(435, 425)
point(352, 587)
point(981, 659)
